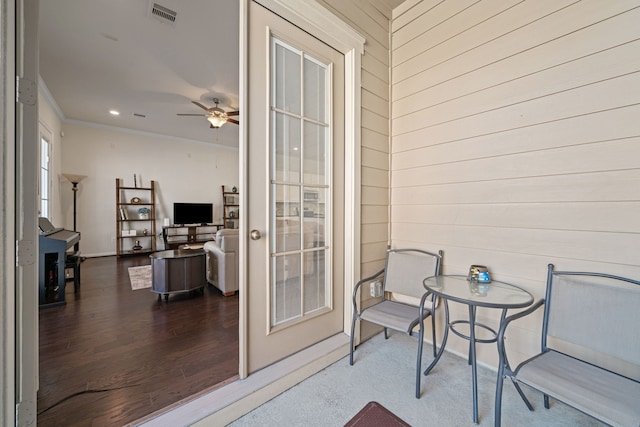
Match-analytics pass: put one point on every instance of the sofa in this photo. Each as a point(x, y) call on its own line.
point(222, 261)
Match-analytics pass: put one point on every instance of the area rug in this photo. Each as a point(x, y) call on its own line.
point(375, 415)
point(140, 277)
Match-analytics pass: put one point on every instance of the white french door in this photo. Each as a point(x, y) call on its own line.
point(20, 165)
point(295, 197)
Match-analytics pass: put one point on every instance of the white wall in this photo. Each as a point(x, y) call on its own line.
point(516, 140)
point(184, 171)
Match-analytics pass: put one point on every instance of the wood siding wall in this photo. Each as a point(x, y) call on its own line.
point(516, 140)
point(374, 24)
point(372, 20)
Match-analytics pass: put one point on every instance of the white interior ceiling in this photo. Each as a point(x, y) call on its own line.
point(99, 55)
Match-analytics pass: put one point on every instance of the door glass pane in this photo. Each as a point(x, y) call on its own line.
point(315, 153)
point(286, 288)
point(286, 148)
point(314, 217)
point(315, 89)
point(300, 171)
point(315, 292)
point(287, 78)
point(287, 219)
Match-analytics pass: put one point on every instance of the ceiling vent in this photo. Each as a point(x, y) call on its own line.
point(162, 14)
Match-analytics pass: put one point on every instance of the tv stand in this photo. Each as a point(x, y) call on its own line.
point(188, 234)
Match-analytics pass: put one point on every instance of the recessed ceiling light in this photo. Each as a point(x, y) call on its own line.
point(114, 112)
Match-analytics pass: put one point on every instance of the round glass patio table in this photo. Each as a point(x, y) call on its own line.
point(496, 294)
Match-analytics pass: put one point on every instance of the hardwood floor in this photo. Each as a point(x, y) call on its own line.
point(113, 355)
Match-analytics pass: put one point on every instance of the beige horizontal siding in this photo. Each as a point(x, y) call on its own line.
point(376, 159)
point(372, 20)
point(556, 53)
point(375, 177)
point(578, 159)
point(375, 141)
point(616, 186)
point(410, 10)
point(535, 216)
point(463, 56)
point(379, 106)
point(516, 140)
point(375, 196)
point(375, 214)
point(599, 96)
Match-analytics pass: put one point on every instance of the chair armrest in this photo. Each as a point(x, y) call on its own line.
point(518, 315)
point(503, 327)
point(355, 289)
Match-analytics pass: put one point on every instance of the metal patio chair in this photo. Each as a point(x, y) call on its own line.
point(590, 348)
point(404, 271)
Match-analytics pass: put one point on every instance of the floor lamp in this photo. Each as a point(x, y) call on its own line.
point(74, 180)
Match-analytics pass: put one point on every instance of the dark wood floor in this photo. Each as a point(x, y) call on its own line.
point(113, 355)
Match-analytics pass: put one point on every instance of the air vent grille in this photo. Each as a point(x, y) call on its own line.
point(162, 13)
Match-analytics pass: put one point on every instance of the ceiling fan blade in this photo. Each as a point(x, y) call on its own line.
point(200, 105)
point(186, 114)
point(233, 113)
point(233, 121)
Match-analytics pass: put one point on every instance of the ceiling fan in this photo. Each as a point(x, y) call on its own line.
point(216, 116)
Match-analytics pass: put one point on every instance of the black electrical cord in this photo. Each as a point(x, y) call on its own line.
point(78, 393)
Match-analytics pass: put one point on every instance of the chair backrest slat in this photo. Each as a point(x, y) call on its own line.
point(407, 268)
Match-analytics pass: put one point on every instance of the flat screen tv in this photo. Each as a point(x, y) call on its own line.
point(192, 213)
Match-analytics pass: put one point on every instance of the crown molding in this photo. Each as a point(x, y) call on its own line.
point(314, 18)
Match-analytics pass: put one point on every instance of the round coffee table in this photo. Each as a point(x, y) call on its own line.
point(177, 270)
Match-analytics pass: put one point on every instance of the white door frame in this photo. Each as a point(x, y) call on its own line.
point(18, 235)
point(317, 20)
point(7, 231)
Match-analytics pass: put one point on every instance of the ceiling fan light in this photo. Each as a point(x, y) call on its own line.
point(217, 119)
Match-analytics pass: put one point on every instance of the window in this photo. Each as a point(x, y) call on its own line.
point(300, 184)
point(45, 185)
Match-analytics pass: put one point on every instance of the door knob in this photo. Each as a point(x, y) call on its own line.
point(255, 235)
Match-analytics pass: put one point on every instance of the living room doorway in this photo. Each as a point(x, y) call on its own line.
point(105, 33)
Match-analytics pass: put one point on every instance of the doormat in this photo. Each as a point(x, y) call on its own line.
point(140, 277)
point(375, 415)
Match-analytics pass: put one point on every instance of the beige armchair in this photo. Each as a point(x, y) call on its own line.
point(222, 261)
